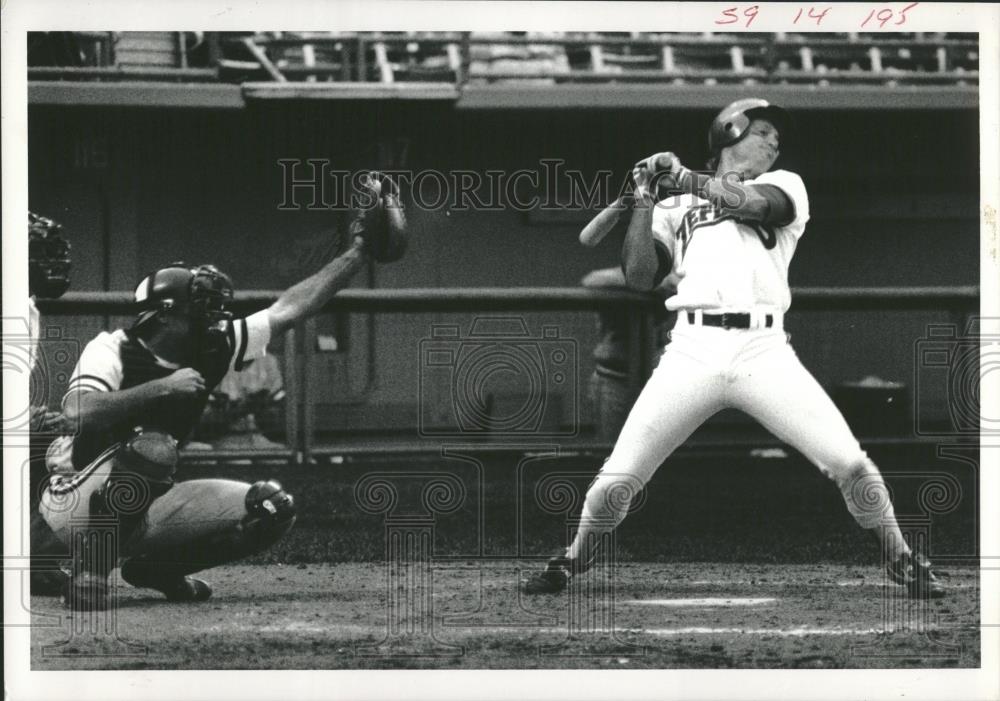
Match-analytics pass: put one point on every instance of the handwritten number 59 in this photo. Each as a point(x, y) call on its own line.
point(732, 15)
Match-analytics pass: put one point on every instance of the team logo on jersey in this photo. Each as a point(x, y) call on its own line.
point(696, 217)
point(708, 215)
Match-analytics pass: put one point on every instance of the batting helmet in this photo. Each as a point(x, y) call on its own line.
point(203, 292)
point(733, 122)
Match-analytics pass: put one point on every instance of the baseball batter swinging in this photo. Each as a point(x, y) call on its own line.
point(728, 239)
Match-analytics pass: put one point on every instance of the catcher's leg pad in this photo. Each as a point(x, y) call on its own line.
point(142, 470)
point(270, 515)
point(866, 494)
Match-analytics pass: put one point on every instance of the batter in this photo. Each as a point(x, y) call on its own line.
point(727, 241)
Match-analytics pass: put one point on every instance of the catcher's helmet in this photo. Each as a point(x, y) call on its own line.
point(733, 122)
point(202, 292)
point(48, 258)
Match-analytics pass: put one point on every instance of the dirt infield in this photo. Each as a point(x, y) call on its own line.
point(469, 615)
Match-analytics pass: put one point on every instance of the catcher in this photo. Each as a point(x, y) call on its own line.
point(136, 393)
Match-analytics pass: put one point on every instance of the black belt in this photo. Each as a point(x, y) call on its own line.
point(728, 321)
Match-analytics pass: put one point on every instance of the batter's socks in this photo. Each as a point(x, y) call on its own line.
point(891, 540)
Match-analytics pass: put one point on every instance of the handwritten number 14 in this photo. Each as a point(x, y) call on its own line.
point(813, 14)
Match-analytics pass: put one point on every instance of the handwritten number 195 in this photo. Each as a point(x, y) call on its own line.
point(886, 14)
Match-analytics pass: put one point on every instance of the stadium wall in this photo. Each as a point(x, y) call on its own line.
point(894, 204)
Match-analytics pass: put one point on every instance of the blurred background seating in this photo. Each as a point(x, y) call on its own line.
point(545, 57)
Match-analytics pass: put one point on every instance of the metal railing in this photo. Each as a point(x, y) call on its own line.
point(462, 57)
point(638, 308)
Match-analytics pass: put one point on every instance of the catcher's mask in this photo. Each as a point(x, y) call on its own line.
point(201, 293)
point(48, 258)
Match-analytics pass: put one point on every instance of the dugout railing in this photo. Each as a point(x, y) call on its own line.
point(959, 302)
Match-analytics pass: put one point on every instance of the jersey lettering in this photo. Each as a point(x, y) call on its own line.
point(696, 217)
point(708, 215)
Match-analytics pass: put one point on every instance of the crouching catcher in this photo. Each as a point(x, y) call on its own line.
point(113, 498)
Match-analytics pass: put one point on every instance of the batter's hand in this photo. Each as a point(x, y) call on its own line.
point(664, 162)
point(185, 382)
point(665, 169)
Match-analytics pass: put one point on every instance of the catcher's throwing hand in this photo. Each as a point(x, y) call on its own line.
point(380, 225)
point(45, 421)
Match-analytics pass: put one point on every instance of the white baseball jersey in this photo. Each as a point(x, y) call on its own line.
point(724, 264)
point(117, 361)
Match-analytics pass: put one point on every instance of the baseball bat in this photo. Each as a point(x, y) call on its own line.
point(602, 224)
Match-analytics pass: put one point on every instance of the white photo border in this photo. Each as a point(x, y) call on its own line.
point(19, 16)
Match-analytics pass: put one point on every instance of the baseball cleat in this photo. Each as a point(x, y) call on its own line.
point(187, 589)
point(914, 572)
point(86, 592)
point(176, 588)
point(552, 580)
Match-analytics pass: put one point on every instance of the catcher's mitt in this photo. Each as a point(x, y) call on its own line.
point(380, 222)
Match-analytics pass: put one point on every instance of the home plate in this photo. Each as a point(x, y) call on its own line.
point(701, 602)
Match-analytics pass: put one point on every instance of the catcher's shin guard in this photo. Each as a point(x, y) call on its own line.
point(270, 515)
point(142, 471)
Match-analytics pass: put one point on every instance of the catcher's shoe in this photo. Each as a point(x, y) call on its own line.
point(553, 579)
point(913, 571)
point(48, 582)
point(86, 591)
point(175, 588)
